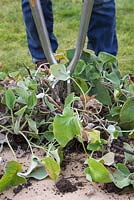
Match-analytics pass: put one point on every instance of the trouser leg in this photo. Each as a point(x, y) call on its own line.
point(33, 41)
point(102, 28)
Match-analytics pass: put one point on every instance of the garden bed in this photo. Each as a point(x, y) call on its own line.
point(84, 137)
point(73, 183)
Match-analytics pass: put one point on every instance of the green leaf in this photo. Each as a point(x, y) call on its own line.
point(49, 136)
point(70, 54)
point(21, 111)
point(128, 157)
point(10, 99)
point(59, 72)
point(113, 78)
point(52, 168)
point(22, 85)
point(11, 177)
point(70, 99)
point(82, 83)
point(121, 176)
point(101, 93)
point(121, 182)
point(123, 169)
point(66, 126)
point(80, 67)
point(97, 146)
point(127, 111)
point(106, 57)
point(87, 57)
point(32, 100)
point(36, 170)
point(32, 126)
point(127, 114)
point(22, 95)
point(115, 111)
point(98, 172)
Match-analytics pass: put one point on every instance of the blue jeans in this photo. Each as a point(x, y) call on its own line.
point(101, 33)
point(102, 28)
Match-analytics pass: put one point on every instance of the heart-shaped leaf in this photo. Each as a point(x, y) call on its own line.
point(11, 177)
point(59, 72)
point(101, 93)
point(66, 126)
point(98, 172)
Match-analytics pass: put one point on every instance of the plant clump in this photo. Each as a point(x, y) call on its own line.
point(39, 110)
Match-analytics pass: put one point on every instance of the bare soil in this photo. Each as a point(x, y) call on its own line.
point(72, 183)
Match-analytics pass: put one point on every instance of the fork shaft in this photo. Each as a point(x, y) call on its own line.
point(42, 30)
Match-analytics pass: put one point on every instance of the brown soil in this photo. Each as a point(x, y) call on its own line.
point(65, 186)
point(72, 183)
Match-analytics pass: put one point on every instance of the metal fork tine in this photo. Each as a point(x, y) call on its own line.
point(42, 30)
point(44, 38)
point(85, 19)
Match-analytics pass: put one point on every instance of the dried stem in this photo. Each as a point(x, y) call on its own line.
point(29, 72)
point(54, 103)
point(52, 89)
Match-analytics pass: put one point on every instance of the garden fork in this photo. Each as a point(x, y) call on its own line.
point(43, 33)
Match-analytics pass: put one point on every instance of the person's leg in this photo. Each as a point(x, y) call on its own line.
point(102, 28)
point(34, 44)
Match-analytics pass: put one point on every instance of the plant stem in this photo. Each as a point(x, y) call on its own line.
point(27, 142)
point(81, 91)
point(6, 117)
point(6, 129)
point(10, 147)
point(12, 117)
point(53, 91)
point(39, 147)
point(84, 148)
point(23, 125)
point(29, 72)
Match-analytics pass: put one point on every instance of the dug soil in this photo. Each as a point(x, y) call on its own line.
point(71, 184)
